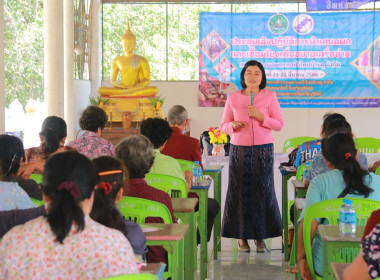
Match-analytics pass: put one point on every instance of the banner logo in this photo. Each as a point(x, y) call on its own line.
point(278, 24)
point(303, 24)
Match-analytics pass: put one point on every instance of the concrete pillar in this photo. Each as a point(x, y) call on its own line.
point(96, 47)
point(2, 70)
point(68, 12)
point(54, 57)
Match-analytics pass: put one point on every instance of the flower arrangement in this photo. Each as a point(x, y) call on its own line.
point(98, 101)
point(217, 136)
point(157, 102)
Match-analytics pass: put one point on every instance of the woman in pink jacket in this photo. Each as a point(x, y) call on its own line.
point(251, 210)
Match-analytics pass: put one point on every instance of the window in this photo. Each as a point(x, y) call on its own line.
point(167, 34)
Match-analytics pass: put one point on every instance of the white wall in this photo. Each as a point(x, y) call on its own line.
point(82, 89)
point(298, 122)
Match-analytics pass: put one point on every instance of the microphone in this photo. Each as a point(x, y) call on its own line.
point(252, 97)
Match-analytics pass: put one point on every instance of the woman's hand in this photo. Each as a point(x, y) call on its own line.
point(237, 125)
point(254, 113)
point(304, 269)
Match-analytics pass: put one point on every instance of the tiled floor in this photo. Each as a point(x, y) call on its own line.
point(235, 265)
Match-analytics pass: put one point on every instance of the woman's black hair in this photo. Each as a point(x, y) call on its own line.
point(54, 129)
point(64, 210)
point(339, 149)
point(104, 210)
point(337, 126)
point(11, 152)
point(263, 83)
point(92, 118)
point(157, 130)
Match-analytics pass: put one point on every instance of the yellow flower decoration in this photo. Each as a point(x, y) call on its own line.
point(217, 136)
point(157, 102)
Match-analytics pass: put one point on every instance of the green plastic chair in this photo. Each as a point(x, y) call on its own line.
point(367, 145)
point(329, 209)
point(36, 202)
point(377, 172)
point(175, 187)
point(295, 142)
point(186, 165)
point(141, 276)
point(138, 209)
point(36, 177)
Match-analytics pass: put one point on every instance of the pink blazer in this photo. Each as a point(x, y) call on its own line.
point(236, 109)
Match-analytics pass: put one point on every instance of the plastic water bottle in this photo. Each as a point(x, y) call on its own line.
point(197, 173)
point(306, 168)
point(347, 217)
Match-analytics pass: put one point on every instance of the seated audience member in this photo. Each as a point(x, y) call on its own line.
point(66, 233)
point(53, 135)
point(12, 155)
point(158, 132)
point(92, 121)
point(319, 166)
point(108, 193)
point(137, 154)
point(181, 146)
point(346, 179)
point(309, 149)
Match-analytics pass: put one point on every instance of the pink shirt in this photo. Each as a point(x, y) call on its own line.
point(29, 251)
point(236, 109)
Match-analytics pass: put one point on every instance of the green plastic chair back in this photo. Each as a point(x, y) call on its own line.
point(36, 177)
point(186, 165)
point(138, 209)
point(367, 145)
point(36, 202)
point(377, 172)
point(301, 168)
point(329, 209)
point(295, 142)
point(175, 187)
point(141, 276)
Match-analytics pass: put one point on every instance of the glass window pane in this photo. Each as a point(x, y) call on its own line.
point(183, 39)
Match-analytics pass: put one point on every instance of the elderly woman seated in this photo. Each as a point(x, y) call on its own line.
point(137, 153)
point(92, 122)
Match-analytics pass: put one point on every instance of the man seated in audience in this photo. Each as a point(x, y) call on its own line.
point(137, 154)
point(12, 155)
point(92, 122)
point(158, 132)
point(181, 146)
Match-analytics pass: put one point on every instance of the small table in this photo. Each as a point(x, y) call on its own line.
point(299, 188)
point(215, 172)
point(287, 173)
point(201, 189)
point(334, 241)
point(184, 210)
point(338, 269)
point(171, 237)
point(154, 268)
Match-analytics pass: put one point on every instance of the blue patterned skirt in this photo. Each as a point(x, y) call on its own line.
point(251, 210)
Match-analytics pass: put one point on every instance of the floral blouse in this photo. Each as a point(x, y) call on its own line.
point(30, 251)
point(12, 196)
point(371, 252)
point(91, 145)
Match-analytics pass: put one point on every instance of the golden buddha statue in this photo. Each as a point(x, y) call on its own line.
point(127, 94)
